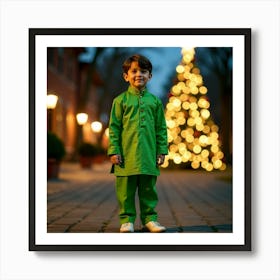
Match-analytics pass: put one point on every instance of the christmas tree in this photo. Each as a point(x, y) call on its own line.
point(192, 134)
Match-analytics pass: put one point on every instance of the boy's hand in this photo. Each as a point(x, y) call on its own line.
point(160, 159)
point(116, 159)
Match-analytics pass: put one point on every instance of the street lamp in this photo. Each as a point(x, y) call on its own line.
point(82, 118)
point(51, 104)
point(96, 126)
point(51, 101)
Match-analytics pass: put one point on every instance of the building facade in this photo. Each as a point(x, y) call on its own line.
point(78, 90)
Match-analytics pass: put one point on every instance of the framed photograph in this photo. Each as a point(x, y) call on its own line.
point(202, 78)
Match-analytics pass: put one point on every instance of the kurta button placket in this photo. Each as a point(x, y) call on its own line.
point(141, 111)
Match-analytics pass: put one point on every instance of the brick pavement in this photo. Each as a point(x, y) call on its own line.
point(83, 200)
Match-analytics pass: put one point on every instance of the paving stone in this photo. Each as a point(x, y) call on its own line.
point(189, 201)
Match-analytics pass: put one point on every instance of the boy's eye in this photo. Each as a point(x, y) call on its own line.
point(143, 71)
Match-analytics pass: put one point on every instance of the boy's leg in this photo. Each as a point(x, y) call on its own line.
point(125, 190)
point(148, 198)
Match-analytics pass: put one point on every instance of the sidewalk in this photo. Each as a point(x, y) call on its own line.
point(83, 200)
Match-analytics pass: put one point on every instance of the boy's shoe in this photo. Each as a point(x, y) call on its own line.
point(127, 227)
point(155, 227)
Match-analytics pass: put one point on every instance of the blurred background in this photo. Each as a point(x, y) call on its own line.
point(82, 83)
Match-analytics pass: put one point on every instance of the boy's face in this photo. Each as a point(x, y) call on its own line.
point(136, 76)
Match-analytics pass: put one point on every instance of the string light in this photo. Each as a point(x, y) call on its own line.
point(192, 135)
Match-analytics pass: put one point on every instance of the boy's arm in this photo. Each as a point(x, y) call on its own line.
point(161, 131)
point(115, 127)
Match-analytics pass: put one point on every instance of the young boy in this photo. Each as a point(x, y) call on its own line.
point(137, 145)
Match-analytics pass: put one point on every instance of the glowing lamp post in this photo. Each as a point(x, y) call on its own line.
point(96, 127)
point(51, 104)
point(51, 101)
point(82, 118)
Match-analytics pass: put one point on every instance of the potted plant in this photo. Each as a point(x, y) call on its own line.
point(100, 156)
point(55, 153)
point(87, 151)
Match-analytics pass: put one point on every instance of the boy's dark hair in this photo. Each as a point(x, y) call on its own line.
point(143, 62)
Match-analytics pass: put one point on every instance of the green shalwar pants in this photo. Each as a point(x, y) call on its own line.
point(126, 187)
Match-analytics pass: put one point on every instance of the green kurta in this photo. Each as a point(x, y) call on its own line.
point(137, 132)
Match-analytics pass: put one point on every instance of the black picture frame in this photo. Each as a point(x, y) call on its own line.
point(245, 38)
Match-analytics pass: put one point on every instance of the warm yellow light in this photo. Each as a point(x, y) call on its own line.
point(203, 90)
point(189, 138)
point(184, 133)
point(96, 126)
point(187, 58)
point(194, 113)
point(191, 122)
point(175, 90)
point(196, 70)
point(183, 97)
point(218, 164)
point(209, 167)
point(180, 69)
point(190, 130)
point(82, 118)
point(214, 135)
point(197, 149)
point(173, 148)
point(220, 155)
point(106, 132)
point(177, 140)
point(215, 128)
point(198, 120)
point(203, 140)
point(214, 149)
point(176, 102)
point(170, 123)
point(194, 90)
point(205, 153)
point(169, 136)
point(195, 164)
point(186, 156)
point(193, 106)
point(170, 107)
point(182, 146)
point(51, 101)
point(206, 129)
point(223, 167)
point(165, 164)
point(202, 103)
point(181, 121)
point(177, 159)
point(205, 114)
point(199, 127)
point(186, 105)
point(186, 90)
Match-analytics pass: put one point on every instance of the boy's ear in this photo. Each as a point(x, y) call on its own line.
point(125, 76)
